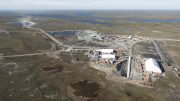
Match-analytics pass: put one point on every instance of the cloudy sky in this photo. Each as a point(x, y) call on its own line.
point(88, 4)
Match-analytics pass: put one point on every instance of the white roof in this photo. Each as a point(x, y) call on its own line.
point(152, 66)
point(108, 56)
point(106, 50)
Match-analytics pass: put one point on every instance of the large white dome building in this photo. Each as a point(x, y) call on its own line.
point(152, 65)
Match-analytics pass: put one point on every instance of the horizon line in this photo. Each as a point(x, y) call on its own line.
point(89, 9)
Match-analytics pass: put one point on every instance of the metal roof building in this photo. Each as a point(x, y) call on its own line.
point(107, 51)
point(108, 56)
point(152, 66)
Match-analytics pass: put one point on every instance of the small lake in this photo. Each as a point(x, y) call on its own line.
point(17, 24)
point(94, 21)
point(62, 33)
point(153, 20)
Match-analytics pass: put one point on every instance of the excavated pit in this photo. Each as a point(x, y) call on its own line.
point(84, 90)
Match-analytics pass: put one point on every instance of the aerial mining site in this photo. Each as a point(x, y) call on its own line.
point(116, 55)
point(48, 59)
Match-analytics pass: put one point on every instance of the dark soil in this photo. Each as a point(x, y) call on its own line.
point(58, 68)
point(86, 88)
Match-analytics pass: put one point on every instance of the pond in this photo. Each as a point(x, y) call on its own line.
point(17, 24)
point(62, 33)
point(176, 20)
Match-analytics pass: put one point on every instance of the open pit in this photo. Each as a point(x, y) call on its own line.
point(122, 68)
point(84, 90)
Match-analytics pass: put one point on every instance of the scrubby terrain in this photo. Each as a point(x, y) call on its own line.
point(42, 77)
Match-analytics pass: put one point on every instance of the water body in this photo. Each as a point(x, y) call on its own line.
point(95, 17)
point(75, 16)
point(87, 17)
point(161, 20)
point(94, 21)
point(18, 24)
point(62, 33)
point(153, 20)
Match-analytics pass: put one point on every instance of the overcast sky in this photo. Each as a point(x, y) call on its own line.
point(89, 4)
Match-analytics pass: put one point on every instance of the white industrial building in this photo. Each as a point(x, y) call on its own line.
point(152, 66)
point(108, 56)
point(106, 51)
